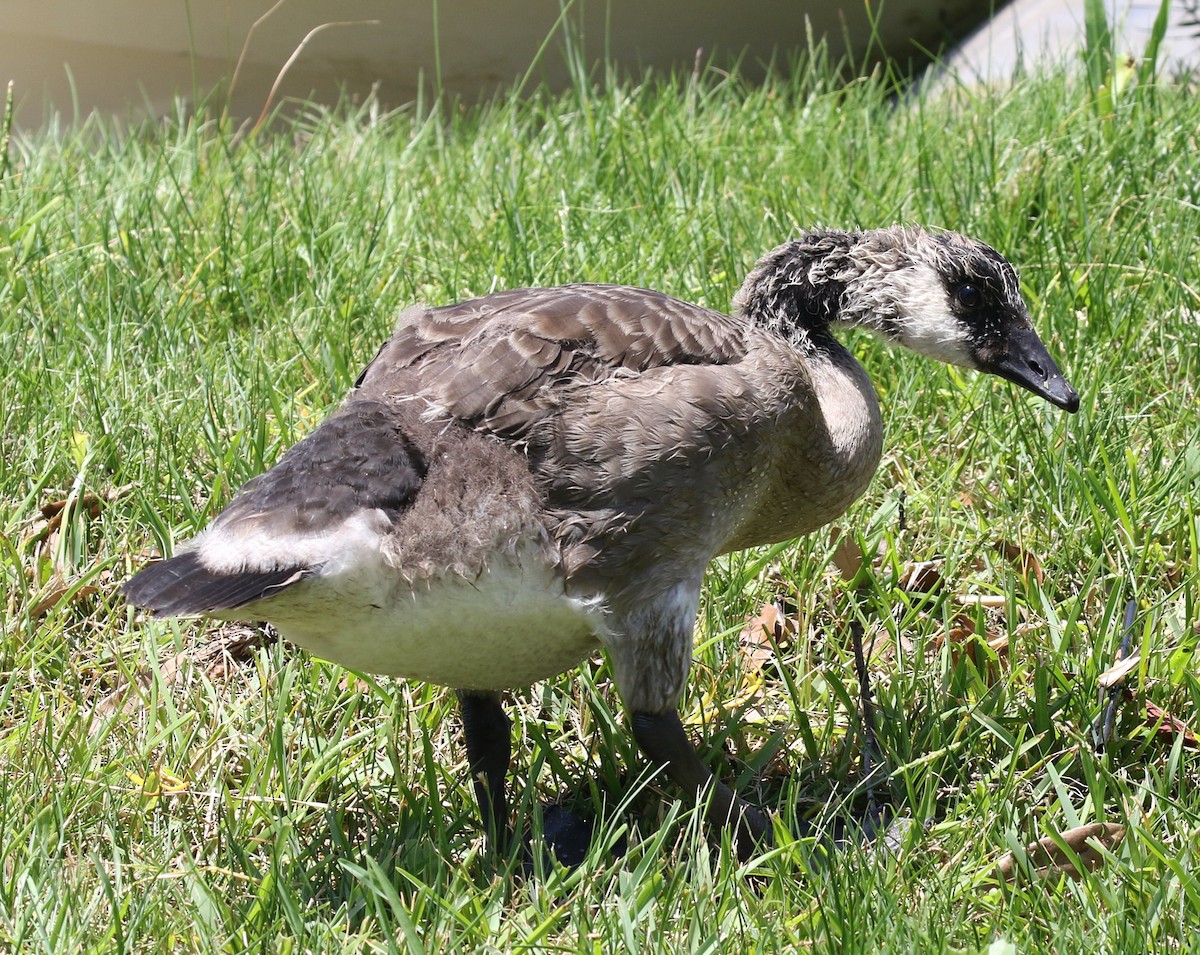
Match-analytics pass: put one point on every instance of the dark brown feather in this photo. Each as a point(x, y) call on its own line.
point(502, 363)
point(183, 585)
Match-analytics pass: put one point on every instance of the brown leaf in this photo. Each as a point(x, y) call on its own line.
point(1165, 724)
point(999, 644)
point(1028, 563)
point(1050, 859)
point(847, 555)
point(89, 503)
point(353, 683)
point(961, 628)
point(962, 635)
point(765, 631)
point(56, 596)
point(921, 576)
point(226, 649)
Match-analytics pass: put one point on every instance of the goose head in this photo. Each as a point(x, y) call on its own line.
point(939, 294)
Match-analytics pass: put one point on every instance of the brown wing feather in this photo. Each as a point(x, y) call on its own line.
point(654, 387)
point(504, 361)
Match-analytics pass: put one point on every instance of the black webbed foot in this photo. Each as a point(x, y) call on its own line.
point(662, 738)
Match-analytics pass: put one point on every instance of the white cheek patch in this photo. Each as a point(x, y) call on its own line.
point(925, 322)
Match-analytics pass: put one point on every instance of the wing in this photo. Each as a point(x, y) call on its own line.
point(347, 482)
point(360, 459)
point(183, 585)
point(506, 361)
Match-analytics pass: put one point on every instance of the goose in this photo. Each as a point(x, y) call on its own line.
point(517, 480)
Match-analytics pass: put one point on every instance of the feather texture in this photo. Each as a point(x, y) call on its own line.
point(182, 585)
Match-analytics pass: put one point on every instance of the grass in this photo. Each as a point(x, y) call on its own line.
point(179, 302)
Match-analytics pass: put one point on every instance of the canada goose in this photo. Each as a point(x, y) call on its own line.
point(521, 478)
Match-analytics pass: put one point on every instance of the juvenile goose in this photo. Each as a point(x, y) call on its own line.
point(521, 478)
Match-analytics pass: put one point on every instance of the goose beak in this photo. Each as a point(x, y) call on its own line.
point(1027, 363)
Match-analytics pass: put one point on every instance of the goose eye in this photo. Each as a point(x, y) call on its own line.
point(968, 296)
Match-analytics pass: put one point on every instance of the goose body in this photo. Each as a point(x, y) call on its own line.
point(521, 478)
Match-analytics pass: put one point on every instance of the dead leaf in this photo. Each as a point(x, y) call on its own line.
point(999, 644)
point(1028, 563)
point(1051, 859)
point(847, 555)
point(58, 594)
point(961, 628)
point(1165, 724)
point(1118, 671)
point(53, 512)
point(226, 650)
point(765, 631)
point(921, 576)
point(963, 633)
point(353, 683)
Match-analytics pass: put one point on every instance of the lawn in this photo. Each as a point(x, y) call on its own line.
point(182, 300)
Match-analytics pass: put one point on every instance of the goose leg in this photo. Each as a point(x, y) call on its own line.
point(662, 738)
point(489, 748)
point(651, 654)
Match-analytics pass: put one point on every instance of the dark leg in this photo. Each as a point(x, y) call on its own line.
point(489, 746)
point(870, 747)
point(662, 738)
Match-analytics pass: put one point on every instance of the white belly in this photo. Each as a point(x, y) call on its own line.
point(510, 627)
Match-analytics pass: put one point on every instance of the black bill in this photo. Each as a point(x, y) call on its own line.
point(1027, 363)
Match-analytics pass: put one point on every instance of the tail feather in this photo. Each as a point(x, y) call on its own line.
point(182, 585)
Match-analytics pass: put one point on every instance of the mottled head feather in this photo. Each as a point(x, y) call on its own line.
point(901, 282)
